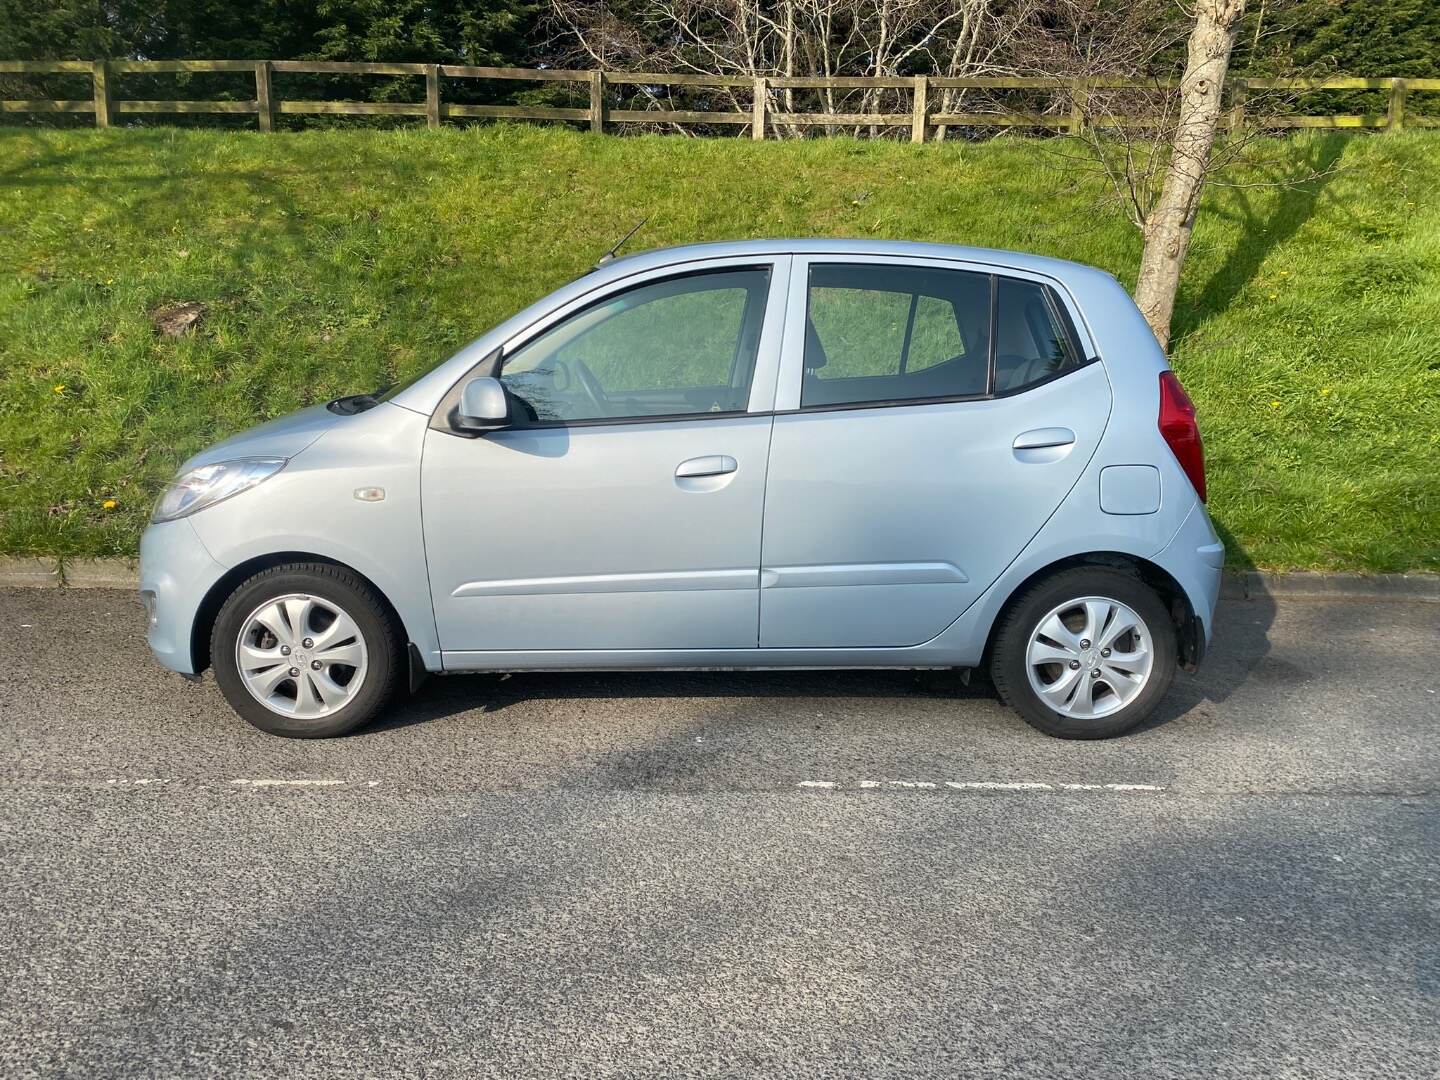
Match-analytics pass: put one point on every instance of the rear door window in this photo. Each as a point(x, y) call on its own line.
point(879, 333)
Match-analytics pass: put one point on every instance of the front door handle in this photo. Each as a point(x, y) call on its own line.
point(710, 465)
point(1039, 438)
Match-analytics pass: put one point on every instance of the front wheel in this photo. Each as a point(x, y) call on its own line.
point(1086, 654)
point(306, 651)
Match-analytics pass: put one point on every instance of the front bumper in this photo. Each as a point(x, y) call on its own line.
point(176, 573)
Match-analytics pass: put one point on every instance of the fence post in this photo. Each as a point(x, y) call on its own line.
point(917, 112)
point(597, 101)
point(757, 111)
point(1395, 118)
point(1237, 104)
point(432, 95)
point(1078, 100)
point(266, 111)
point(101, 77)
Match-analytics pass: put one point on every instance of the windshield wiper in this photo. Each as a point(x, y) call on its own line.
point(356, 403)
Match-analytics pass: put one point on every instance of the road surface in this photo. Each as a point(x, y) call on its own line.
point(805, 874)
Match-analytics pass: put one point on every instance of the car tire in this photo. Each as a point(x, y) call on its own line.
point(342, 656)
point(1041, 670)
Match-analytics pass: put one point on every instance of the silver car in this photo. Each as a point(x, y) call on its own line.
point(762, 454)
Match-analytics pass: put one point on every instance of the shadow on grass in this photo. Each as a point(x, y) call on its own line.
point(1302, 181)
point(1236, 557)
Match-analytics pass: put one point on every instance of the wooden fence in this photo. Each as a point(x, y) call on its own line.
point(919, 120)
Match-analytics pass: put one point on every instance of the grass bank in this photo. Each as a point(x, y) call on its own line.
point(1308, 328)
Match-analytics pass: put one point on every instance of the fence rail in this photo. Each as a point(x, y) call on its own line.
point(921, 120)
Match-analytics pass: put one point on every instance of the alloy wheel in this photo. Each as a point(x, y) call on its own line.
point(301, 656)
point(1089, 657)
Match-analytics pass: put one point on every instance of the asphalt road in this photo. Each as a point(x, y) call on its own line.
point(725, 875)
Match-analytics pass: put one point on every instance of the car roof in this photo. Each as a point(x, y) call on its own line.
point(659, 257)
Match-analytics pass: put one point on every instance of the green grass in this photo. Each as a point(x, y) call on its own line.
point(1308, 327)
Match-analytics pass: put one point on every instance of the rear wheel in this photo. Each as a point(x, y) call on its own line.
point(1085, 654)
point(306, 651)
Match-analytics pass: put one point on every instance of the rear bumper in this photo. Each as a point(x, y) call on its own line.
point(176, 573)
point(1195, 558)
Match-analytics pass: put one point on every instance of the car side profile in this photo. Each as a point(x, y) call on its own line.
point(760, 454)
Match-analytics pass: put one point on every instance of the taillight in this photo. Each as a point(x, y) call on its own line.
point(1180, 431)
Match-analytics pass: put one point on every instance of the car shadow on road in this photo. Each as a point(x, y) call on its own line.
point(1240, 642)
point(443, 697)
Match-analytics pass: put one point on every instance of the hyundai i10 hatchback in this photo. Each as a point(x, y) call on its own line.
point(803, 454)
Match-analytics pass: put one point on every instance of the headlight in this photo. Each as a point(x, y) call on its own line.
point(209, 484)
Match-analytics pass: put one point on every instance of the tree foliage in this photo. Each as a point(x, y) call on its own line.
point(1346, 37)
point(445, 31)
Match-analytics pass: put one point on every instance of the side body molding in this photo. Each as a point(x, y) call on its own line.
point(916, 573)
point(673, 581)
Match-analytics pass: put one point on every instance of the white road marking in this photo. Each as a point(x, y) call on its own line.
point(977, 785)
point(195, 782)
point(1015, 786)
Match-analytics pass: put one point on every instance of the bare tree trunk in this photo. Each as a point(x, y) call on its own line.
point(1172, 220)
point(787, 52)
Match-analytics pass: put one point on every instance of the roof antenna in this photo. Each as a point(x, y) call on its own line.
point(610, 255)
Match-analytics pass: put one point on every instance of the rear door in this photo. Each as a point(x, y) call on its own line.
point(930, 417)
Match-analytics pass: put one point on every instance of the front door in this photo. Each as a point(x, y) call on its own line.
point(936, 418)
point(624, 510)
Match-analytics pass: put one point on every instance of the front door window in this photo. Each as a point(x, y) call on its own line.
point(672, 348)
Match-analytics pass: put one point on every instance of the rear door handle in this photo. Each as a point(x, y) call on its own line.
point(1039, 438)
point(710, 465)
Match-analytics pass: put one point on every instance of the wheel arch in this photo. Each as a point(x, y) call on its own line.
point(1190, 637)
point(227, 583)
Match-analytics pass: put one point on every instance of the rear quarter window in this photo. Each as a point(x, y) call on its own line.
point(1033, 338)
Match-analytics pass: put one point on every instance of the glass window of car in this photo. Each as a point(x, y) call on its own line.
point(1031, 340)
point(878, 333)
point(676, 347)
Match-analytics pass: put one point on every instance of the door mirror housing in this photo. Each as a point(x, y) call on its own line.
point(485, 405)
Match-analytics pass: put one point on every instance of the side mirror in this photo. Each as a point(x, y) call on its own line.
point(484, 406)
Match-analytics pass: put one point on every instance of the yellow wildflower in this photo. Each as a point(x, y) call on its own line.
point(59, 388)
point(1274, 404)
point(109, 504)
